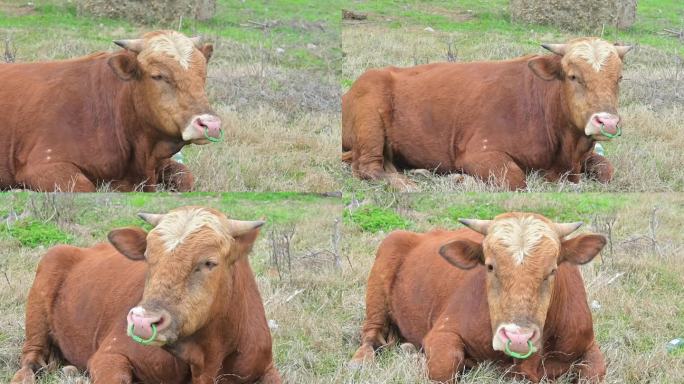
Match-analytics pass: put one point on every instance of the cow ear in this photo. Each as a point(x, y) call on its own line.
point(124, 65)
point(131, 242)
point(464, 254)
point(243, 244)
point(546, 67)
point(581, 249)
point(207, 50)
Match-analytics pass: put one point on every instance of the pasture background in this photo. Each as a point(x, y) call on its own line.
point(647, 157)
point(273, 79)
point(638, 280)
point(296, 299)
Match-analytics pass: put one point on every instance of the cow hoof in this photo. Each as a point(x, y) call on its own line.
point(420, 172)
point(24, 376)
point(355, 365)
point(457, 178)
point(70, 371)
point(408, 348)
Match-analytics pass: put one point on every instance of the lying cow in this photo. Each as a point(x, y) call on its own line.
point(495, 120)
point(515, 297)
point(108, 118)
point(193, 306)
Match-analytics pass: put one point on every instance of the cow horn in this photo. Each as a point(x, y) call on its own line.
point(564, 229)
point(476, 225)
point(238, 227)
point(558, 49)
point(622, 50)
point(152, 218)
point(135, 45)
point(197, 40)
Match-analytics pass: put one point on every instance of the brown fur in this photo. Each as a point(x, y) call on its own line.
point(496, 119)
point(218, 332)
point(453, 312)
point(80, 123)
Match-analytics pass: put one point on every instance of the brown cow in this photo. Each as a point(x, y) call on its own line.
point(514, 292)
point(493, 120)
point(193, 304)
point(108, 118)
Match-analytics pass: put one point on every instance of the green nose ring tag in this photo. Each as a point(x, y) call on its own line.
point(213, 139)
point(610, 135)
point(530, 350)
point(142, 341)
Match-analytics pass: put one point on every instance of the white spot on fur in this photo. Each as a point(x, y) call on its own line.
point(176, 226)
point(174, 45)
point(521, 234)
point(596, 52)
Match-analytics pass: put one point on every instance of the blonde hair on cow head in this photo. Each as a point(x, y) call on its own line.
point(171, 44)
point(593, 50)
point(520, 234)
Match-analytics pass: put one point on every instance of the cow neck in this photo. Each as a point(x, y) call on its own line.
point(147, 142)
point(570, 141)
point(568, 297)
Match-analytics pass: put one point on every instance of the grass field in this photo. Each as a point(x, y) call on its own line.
point(646, 157)
point(638, 281)
point(295, 299)
point(273, 79)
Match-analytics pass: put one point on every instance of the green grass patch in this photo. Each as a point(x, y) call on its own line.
point(371, 218)
point(32, 234)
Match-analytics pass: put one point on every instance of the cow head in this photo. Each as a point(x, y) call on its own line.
point(190, 253)
point(168, 71)
point(521, 252)
point(590, 70)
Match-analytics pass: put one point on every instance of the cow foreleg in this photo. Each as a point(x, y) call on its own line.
point(598, 168)
point(495, 168)
point(64, 177)
point(376, 325)
point(593, 367)
point(109, 368)
point(445, 355)
point(175, 176)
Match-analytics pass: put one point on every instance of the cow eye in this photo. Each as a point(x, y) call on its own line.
point(205, 265)
point(572, 78)
point(553, 272)
point(490, 268)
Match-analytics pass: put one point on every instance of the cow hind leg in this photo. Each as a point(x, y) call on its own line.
point(496, 168)
point(376, 326)
point(175, 176)
point(111, 368)
point(51, 177)
point(444, 354)
point(594, 365)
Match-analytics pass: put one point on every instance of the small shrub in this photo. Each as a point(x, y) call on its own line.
point(373, 219)
point(36, 233)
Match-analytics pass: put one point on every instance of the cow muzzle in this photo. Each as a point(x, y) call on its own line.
point(603, 124)
point(203, 129)
point(516, 341)
point(146, 327)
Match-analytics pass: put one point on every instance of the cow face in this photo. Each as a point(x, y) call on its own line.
point(190, 253)
point(167, 72)
point(590, 70)
point(521, 252)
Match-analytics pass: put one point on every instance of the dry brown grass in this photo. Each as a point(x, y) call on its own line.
point(646, 157)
